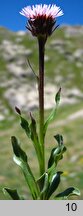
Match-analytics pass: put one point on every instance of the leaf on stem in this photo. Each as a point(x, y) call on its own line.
point(57, 153)
point(24, 123)
point(43, 182)
point(20, 158)
point(67, 193)
point(31, 132)
point(59, 139)
point(37, 78)
point(17, 149)
point(57, 97)
point(18, 110)
point(54, 183)
point(40, 182)
point(53, 113)
point(34, 137)
point(46, 184)
point(13, 193)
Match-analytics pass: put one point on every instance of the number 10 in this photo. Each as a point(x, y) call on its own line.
point(72, 206)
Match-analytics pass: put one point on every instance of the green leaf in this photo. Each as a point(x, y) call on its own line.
point(35, 139)
point(25, 125)
point(20, 158)
point(59, 139)
point(17, 149)
point(34, 135)
point(51, 159)
point(54, 183)
point(43, 183)
point(57, 97)
point(18, 110)
point(13, 193)
point(46, 183)
point(68, 192)
point(53, 113)
point(40, 182)
point(31, 132)
point(57, 153)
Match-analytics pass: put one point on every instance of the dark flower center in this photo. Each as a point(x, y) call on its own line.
point(41, 25)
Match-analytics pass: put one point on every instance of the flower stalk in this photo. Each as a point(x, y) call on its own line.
point(41, 23)
point(41, 44)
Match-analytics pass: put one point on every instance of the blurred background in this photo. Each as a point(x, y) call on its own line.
point(18, 87)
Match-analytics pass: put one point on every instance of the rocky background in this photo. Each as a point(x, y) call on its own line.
point(18, 87)
point(63, 68)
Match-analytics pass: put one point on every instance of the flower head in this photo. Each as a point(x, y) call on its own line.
point(41, 18)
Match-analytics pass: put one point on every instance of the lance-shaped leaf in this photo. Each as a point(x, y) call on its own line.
point(40, 181)
point(13, 193)
point(31, 132)
point(71, 191)
point(17, 149)
point(33, 129)
point(35, 139)
point(43, 183)
point(57, 153)
point(20, 158)
point(24, 123)
point(37, 78)
point(53, 113)
point(18, 110)
point(54, 152)
point(59, 139)
point(54, 183)
point(46, 184)
point(57, 97)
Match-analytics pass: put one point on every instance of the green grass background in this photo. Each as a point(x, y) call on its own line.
point(71, 165)
point(72, 131)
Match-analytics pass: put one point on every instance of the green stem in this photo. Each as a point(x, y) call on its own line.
point(41, 44)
